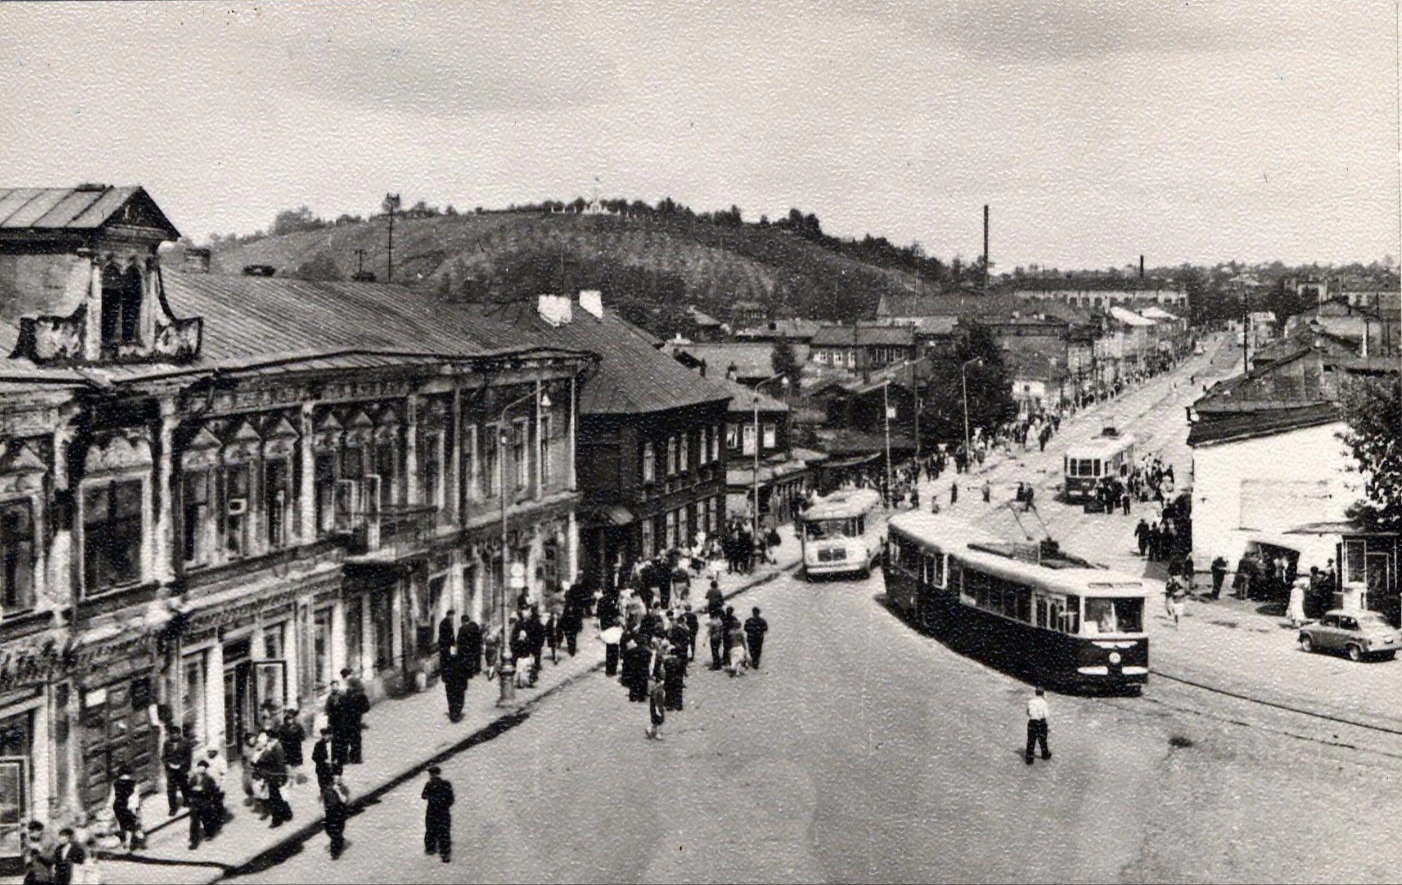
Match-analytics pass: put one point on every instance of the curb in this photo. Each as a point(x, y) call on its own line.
point(504, 720)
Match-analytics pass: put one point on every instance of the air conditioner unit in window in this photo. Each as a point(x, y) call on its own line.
point(238, 506)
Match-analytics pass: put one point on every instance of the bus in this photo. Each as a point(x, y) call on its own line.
point(1050, 617)
point(1109, 454)
point(840, 533)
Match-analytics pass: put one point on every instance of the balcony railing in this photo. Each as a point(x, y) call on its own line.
point(395, 530)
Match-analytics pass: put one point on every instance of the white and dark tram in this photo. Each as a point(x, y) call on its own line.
point(1029, 609)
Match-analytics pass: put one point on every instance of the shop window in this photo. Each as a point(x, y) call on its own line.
point(382, 627)
point(237, 506)
point(16, 557)
point(277, 497)
point(192, 694)
point(112, 529)
point(430, 599)
point(649, 462)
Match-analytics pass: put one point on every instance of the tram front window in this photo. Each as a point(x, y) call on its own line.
point(1114, 615)
point(822, 529)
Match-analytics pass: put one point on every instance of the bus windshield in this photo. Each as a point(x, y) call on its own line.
point(1114, 615)
point(820, 529)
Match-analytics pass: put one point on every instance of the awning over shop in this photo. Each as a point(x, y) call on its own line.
point(612, 515)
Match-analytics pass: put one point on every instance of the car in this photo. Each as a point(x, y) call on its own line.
point(1359, 635)
point(1198, 350)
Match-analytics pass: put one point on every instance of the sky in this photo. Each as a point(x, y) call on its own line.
point(1096, 130)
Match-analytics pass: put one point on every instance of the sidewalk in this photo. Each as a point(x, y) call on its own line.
point(402, 739)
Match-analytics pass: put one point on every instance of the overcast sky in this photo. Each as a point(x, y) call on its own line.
point(1097, 130)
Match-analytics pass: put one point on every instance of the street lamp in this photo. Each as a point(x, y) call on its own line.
point(507, 670)
point(886, 425)
point(754, 519)
point(964, 385)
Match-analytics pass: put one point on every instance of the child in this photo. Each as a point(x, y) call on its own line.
point(656, 707)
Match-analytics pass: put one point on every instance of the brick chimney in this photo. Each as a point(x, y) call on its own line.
point(557, 310)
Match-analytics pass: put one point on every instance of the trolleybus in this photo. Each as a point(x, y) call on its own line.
point(1087, 463)
point(840, 535)
point(1030, 609)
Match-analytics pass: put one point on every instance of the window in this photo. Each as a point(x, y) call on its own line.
point(237, 503)
point(547, 460)
point(386, 467)
point(1114, 615)
point(16, 557)
point(324, 467)
point(277, 495)
point(934, 569)
point(715, 443)
point(355, 627)
point(647, 539)
point(684, 454)
point(520, 452)
point(112, 528)
point(321, 648)
point(382, 627)
point(684, 521)
point(196, 492)
point(671, 456)
point(732, 436)
point(491, 453)
point(671, 530)
point(771, 434)
point(431, 478)
point(1355, 562)
point(649, 462)
point(747, 436)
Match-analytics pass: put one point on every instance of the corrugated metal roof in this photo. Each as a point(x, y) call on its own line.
point(751, 360)
point(86, 207)
point(1249, 425)
point(633, 378)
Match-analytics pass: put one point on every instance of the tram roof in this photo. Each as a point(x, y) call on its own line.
point(1100, 446)
point(955, 537)
point(843, 503)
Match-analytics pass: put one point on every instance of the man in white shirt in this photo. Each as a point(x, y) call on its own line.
point(1037, 725)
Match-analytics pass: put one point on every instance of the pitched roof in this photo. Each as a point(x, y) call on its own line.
point(1130, 318)
point(82, 208)
point(750, 359)
point(782, 328)
point(743, 398)
point(1249, 425)
point(633, 378)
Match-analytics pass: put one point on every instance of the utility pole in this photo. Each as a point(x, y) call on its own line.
point(985, 248)
point(391, 205)
point(359, 262)
point(1245, 324)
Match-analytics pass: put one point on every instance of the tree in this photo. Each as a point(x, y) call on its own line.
point(1372, 409)
point(990, 392)
point(783, 361)
point(290, 221)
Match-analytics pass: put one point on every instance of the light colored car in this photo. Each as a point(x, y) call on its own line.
point(1357, 634)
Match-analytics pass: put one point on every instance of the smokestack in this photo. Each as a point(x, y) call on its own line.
point(1141, 267)
point(985, 247)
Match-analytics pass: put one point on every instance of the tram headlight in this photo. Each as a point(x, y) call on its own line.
point(1115, 657)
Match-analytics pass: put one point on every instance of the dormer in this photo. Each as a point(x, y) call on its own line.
point(80, 278)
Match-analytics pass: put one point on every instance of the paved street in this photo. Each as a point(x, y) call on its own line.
point(867, 751)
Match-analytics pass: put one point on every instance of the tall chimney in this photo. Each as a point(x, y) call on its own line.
point(1141, 267)
point(985, 247)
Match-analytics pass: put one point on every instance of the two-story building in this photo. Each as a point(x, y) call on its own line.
point(761, 458)
point(862, 347)
point(651, 450)
point(216, 492)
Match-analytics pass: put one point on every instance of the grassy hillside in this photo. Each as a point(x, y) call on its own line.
point(657, 261)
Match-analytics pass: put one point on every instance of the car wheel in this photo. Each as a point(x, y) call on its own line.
point(1306, 644)
point(1355, 653)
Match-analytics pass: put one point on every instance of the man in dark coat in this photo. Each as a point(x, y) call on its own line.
point(321, 760)
point(455, 685)
point(69, 857)
point(755, 628)
point(1141, 535)
point(680, 637)
point(445, 641)
point(336, 714)
point(535, 632)
point(693, 627)
point(204, 818)
point(357, 705)
point(469, 647)
point(571, 622)
point(176, 755)
point(438, 815)
point(636, 658)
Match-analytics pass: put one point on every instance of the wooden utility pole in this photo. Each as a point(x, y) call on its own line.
point(391, 205)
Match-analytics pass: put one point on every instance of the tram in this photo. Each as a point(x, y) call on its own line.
point(840, 533)
point(1109, 454)
point(1050, 617)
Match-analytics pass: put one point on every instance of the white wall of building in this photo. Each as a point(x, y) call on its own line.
point(1267, 485)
